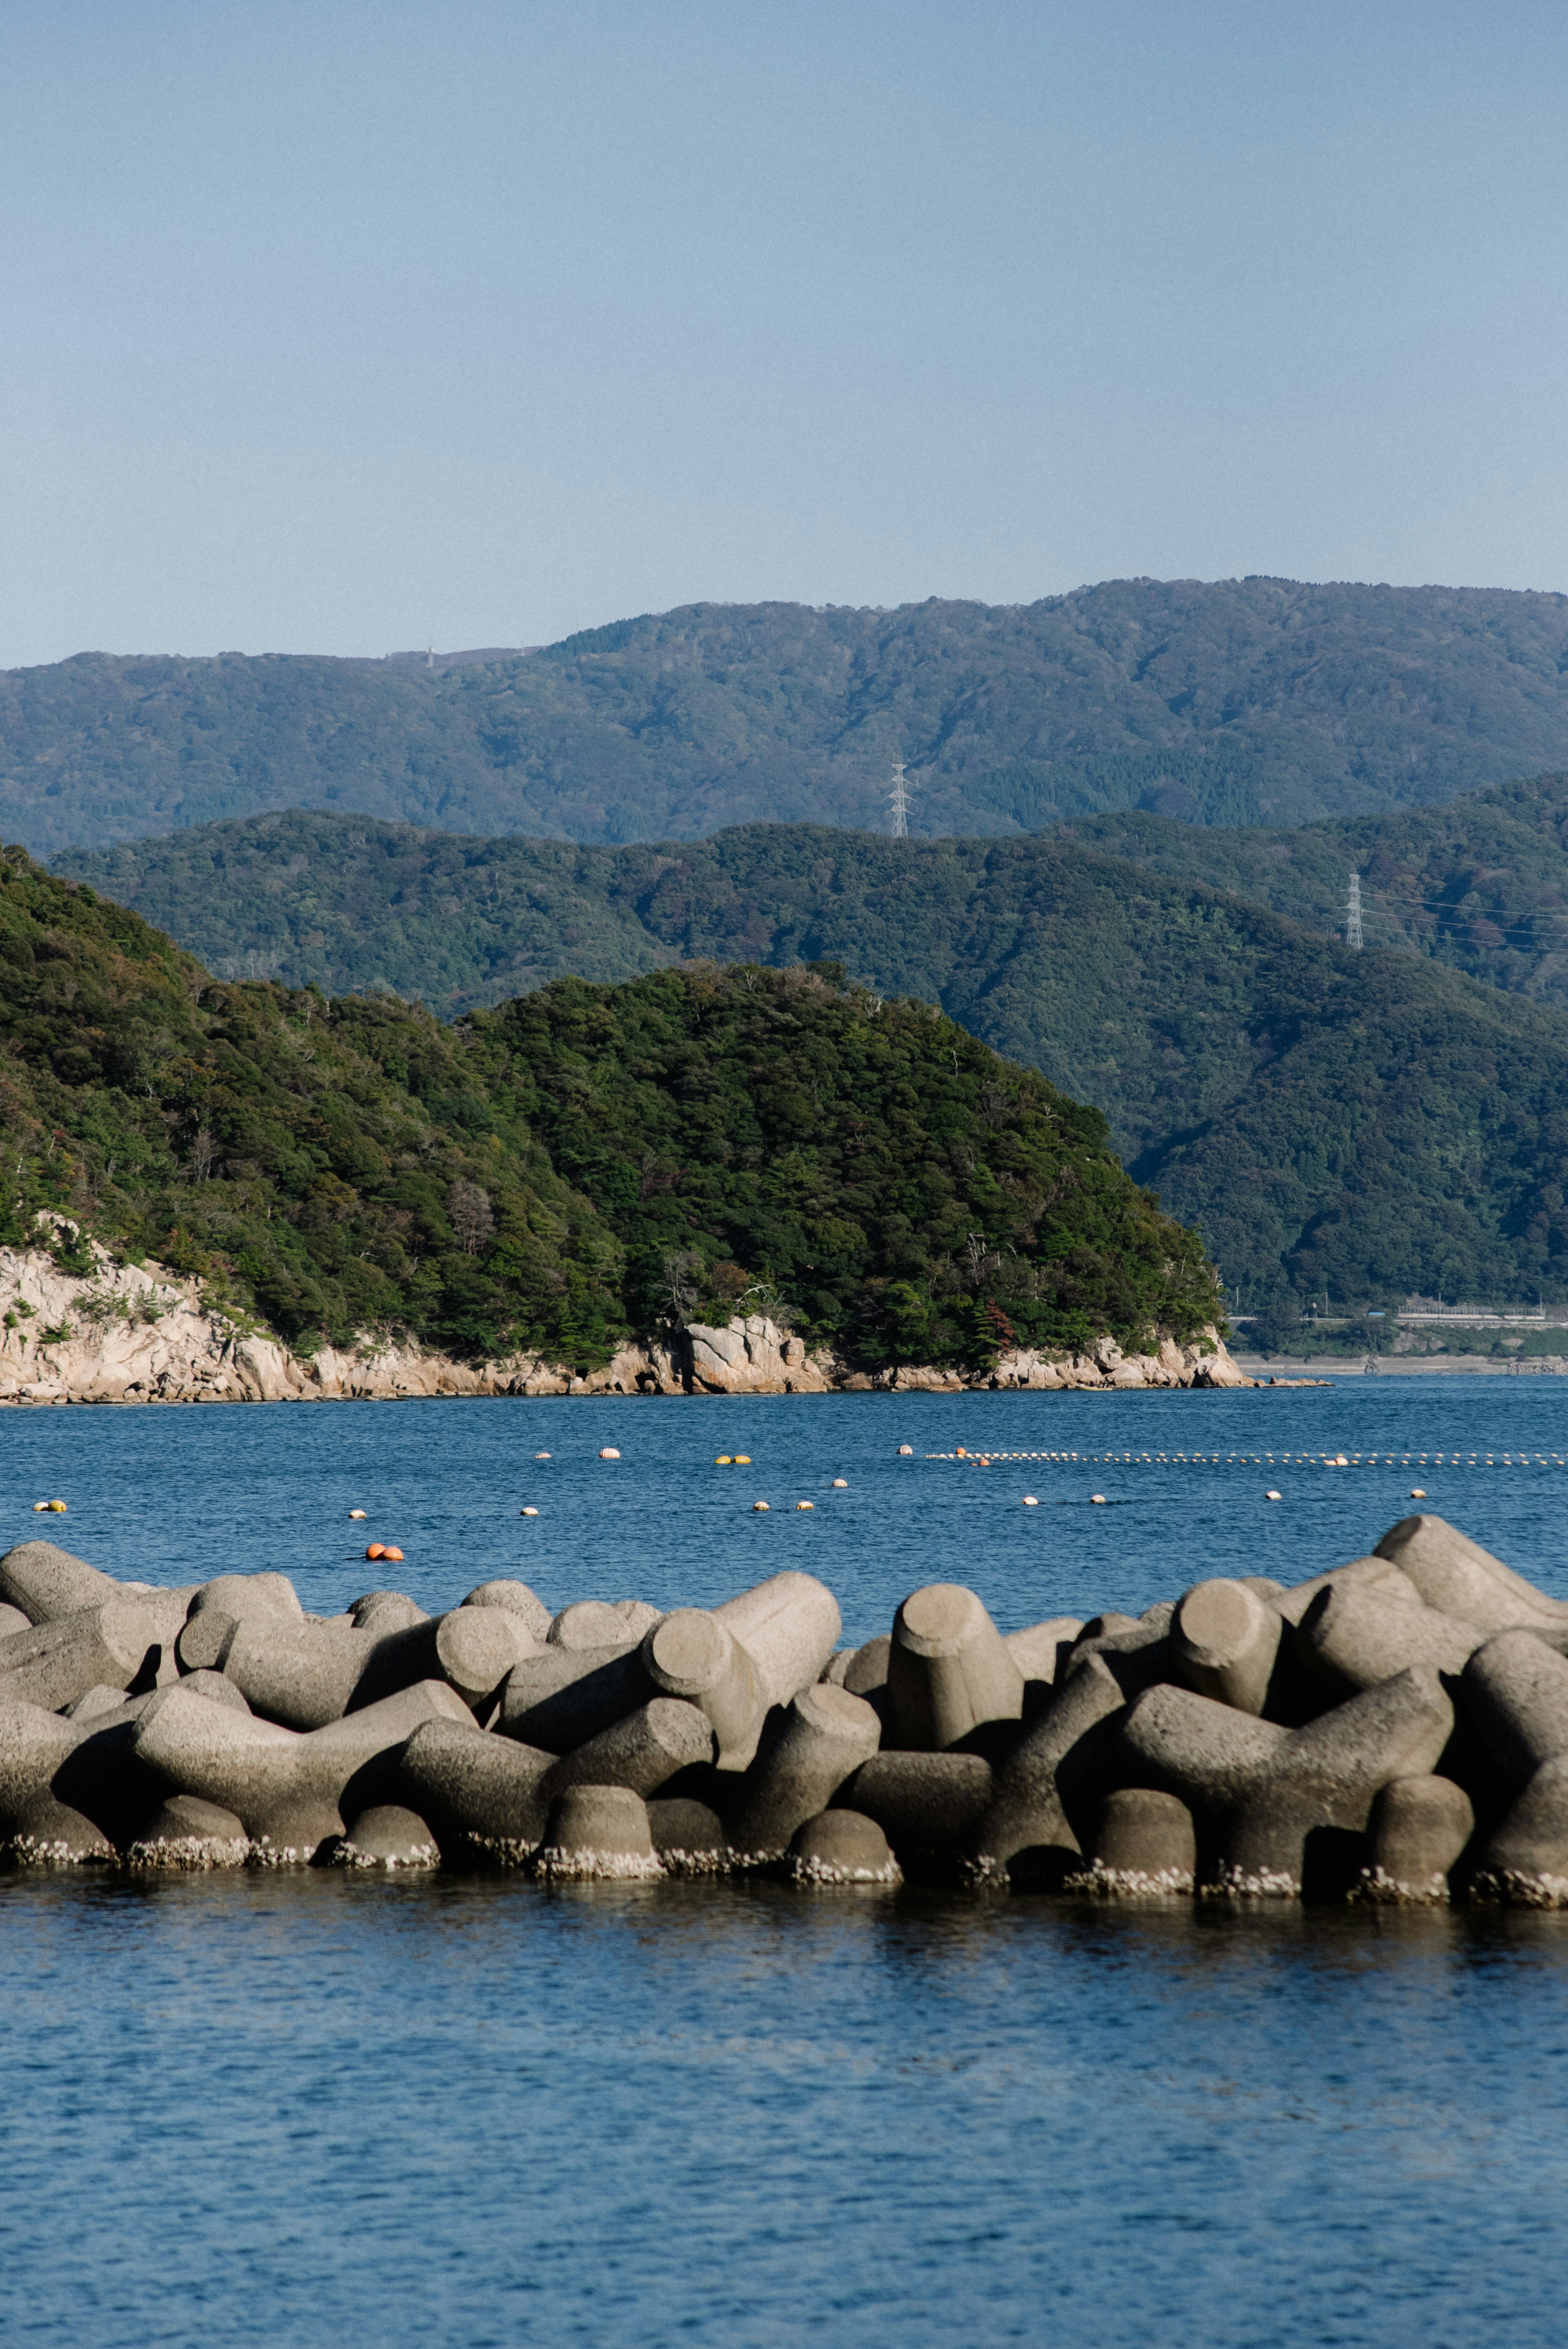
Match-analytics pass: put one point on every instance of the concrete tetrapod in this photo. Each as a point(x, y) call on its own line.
point(598, 1831)
point(243, 1596)
point(45, 1582)
point(286, 1787)
point(1525, 1860)
point(1026, 1835)
point(34, 1743)
point(589, 1623)
point(1515, 1690)
point(1266, 1794)
point(56, 1661)
point(1144, 1847)
point(483, 1796)
point(1223, 1643)
point(50, 1834)
point(185, 1833)
point(1381, 1572)
point(950, 1671)
point(690, 1654)
point(689, 1838)
point(789, 1626)
point(1042, 1650)
point(825, 1736)
point(518, 1600)
point(562, 1696)
point(1455, 1575)
point(927, 1805)
point(388, 1836)
point(298, 1673)
point(1357, 1633)
point(839, 1848)
point(473, 1648)
point(1419, 1830)
point(643, 1751)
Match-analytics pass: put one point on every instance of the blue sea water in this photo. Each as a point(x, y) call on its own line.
point(317, 2109)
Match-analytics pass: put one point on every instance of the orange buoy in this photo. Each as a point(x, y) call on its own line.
point(392, 1557)
point(375, 1551)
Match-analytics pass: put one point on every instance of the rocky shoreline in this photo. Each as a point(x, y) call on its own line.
point(144, 1334)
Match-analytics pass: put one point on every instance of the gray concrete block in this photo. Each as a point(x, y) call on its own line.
point(1307, 1817)
point(1523, 1863)
point(928, 1806)
point(300, 1675)
point(1458, 1576)
point(838, 1664)
point(599, 1832)
point(824, 1737)
point(865, 1673)
point(692, 1655)
point(34, 1743)
point(50, 1834)
point(590, 1624)
point(1356, 1634)
point(561, 1697)
point(1027, 1835)
point(383, 1612)
point(948, 1672)
point(689, 1836)
point(1223, 1643)
point(186, 1834)
point(54, 1662)
point(388, 1836)
point(842, 1847)
point(1419, 1830)
point(1293, 1603)
point(1041, 1650)
point(1515, 1690)
point(1206, 1754)
point(1143, 1846)
point(216, 1686)
point(45, 1582)
point(789, 1626)
point(642, 1752)
point(477, 1646)
point(519, 1599)
point(484, 1797)
point(12, 1619)
point(247, 1596)
point(92, 1702)
point(640, 1617)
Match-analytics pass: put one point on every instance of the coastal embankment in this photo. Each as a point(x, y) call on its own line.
point(130, 1333)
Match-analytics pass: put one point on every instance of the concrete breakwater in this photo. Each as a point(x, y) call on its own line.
point(1392, 1730)
point(143, 1333)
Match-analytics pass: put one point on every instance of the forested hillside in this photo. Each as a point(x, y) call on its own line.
point(562, 1170)
point(1237, 702)
point(1369, 1124)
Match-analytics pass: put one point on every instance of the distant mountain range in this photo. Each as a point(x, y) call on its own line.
point(1238, 702)
point(1355, 1125)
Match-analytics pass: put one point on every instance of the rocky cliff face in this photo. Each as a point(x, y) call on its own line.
point(123, 1333)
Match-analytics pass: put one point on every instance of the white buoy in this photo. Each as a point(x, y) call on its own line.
point(758, 1504)
point(841, 1484)
point(357, 1512)
point(1417, 1493)
point(1271, 1496)
point(805, 1505)
point(1029, 1502)
point(541, 1456)
point(1098, 1498)
point(608, 1451)
point(527, 1512)
point(905, 1451)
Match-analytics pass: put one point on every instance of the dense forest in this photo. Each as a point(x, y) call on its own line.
point(1359, 1125)
point(1242, 702)
point(561, 1171)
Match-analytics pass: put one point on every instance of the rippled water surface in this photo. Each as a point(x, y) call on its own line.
point(309, 2109)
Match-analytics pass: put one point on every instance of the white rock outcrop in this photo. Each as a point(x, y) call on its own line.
point(129, 1333)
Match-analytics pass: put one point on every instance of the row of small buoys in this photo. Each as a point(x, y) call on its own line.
point(55, 1508)
point(385, 1550)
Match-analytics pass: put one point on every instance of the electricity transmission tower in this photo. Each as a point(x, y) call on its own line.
point(898, 800)
point(1353, 936)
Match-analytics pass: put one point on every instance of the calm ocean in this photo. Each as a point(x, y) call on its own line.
point(316, 2109)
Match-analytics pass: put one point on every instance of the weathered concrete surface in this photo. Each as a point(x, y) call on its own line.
point(131, 1333)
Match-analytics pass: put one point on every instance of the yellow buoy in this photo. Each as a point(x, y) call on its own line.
point(758, 1504)
point(743, 1459)
point(1029, 1502)
point(724, 1461)
point(527, 1512)
point(58, 1508)
point(805, 1505)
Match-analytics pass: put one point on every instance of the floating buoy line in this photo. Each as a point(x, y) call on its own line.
point(1494, 1459)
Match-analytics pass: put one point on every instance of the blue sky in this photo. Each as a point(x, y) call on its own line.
point(347, 327)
